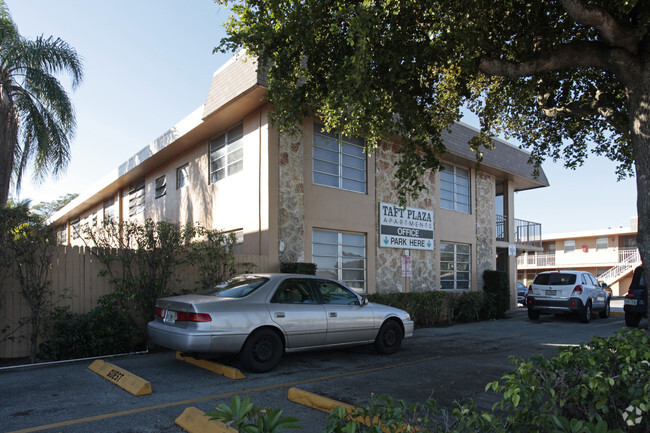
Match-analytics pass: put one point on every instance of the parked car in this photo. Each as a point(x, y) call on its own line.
point(522, 291)
point(635, 303)
point(578, 292)
point(260, 317)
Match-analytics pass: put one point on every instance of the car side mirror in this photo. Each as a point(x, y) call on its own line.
point(364, 301)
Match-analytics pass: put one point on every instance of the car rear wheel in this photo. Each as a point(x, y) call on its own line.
point(262, 351)
point(533, 314)
point(605, 313)
point(585, 314)
point(632, 319)
point(389, 338)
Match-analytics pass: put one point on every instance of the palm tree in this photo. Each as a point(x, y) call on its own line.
point(36, 116)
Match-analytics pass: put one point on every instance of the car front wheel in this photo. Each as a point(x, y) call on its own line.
point(585, 314)
point(389, 338)
point(262, 351)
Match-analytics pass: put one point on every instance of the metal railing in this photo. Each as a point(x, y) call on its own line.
point(628, 260)
point(528, 233)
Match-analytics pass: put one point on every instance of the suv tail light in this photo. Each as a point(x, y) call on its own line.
point(530, 289)
point(630, 293)
point(577, 289)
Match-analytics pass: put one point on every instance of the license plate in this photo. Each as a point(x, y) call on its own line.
point(629, 301)
point(551, 292)
point(170, 316)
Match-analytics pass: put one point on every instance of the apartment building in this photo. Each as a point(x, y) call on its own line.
point(318, 197)
point(610, 254)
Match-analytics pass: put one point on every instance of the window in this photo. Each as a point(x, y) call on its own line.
point(341, 256)
point(62, 235)
point(454, 188)
point(332, 293)
point(136, 198)
point(551, 248)
point(182, 176)
point(601, 244)
point(569, 246)
point(294, 291)
point(161, 186)
point(227, 154)
point(454, 266)
point(109, 209)
point(75, 228)
point(339, 161)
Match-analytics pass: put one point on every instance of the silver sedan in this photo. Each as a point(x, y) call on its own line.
point(262, 316)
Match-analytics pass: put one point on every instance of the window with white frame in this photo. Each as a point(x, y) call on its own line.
point(182, 176)
point(455, 266)
point(601, 244)
point(136, 198)
point(569, 246)
point(339, 161)
point(227, 154)
point(161, 186)
point(455, 188)
point(341, 256)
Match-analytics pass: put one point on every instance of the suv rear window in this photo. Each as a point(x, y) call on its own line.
point(555, 279)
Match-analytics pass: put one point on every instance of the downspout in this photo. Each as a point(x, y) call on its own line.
point(259, 185)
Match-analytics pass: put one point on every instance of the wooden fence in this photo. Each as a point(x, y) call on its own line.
point(77, 284)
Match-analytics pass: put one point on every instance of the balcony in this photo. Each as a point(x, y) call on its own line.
point(526, 233)
point(606, 257)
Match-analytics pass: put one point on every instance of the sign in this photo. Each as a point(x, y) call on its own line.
point(512, 250)
point(407, 266)
point(405, 227)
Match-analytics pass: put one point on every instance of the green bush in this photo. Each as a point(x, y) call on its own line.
point(602, 386)
point(298, 268)
point(102, 331)
point(497, 290)
point(605, 380)
point(439, 307)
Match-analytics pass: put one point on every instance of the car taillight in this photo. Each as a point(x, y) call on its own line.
point(630, 293)
point(158, 312)
point(577, 289)
point(193, 317)
point(530, 289)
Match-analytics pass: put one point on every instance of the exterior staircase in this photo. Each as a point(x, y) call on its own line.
point(629, 259)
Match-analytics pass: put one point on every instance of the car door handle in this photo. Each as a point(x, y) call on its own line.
point(279, 315)
point(333, 314)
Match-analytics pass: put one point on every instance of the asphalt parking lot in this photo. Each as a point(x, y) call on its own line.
point(447, 364)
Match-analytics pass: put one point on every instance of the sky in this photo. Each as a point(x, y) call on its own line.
point(149, 63)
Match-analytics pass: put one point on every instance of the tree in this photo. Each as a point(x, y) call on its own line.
point(36, 116)
point(27, 246)
point(46, 209)
point(565, 77)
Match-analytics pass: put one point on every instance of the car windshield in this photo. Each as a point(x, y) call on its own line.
point(555, 279)
point(237, 287)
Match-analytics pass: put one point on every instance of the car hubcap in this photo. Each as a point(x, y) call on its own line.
point(390, 337)
point(263, 350)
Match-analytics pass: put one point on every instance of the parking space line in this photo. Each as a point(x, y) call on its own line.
point(219, 396)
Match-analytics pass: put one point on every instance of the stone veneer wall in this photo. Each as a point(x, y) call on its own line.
point(389, 260)
point(291, 230)
point(485, 225)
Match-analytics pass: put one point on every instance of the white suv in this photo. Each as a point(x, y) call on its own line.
point(566, 292)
